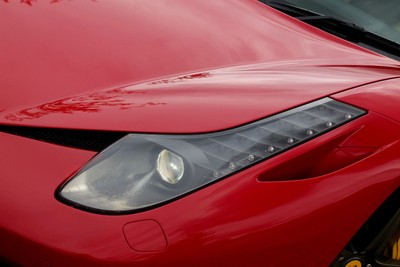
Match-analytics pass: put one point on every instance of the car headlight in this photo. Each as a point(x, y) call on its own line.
point(143, 170)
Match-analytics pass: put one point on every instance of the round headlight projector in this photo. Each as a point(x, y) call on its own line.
point(170, 166)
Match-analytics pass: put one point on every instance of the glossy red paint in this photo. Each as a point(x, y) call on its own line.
point(381, 97)
point(231, 222)
point(188, 66)
point(70, 64)
point(202, 102)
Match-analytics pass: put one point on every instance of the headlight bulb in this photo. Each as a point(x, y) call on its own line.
point(170, 166)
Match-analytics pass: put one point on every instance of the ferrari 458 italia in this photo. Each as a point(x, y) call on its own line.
point(200, 133)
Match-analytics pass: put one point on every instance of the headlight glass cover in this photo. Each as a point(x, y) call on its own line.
point(143, 170)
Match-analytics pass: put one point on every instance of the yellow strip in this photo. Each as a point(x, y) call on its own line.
point(394, 251)
point(398, 250)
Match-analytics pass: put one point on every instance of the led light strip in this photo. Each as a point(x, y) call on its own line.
point(236, 149)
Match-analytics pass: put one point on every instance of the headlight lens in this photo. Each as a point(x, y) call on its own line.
point(170, 166)
point(143, 170)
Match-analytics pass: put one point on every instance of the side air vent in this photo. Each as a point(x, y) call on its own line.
point(82, 139)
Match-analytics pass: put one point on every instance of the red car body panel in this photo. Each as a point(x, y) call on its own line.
point(69, 64)
point(200, 102)
point(189, 67)
point(247, 219)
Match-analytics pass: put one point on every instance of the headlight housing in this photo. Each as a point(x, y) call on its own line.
point(143, 170)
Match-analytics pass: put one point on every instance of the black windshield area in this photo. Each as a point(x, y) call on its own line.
point(372, 24)
point(381, 17)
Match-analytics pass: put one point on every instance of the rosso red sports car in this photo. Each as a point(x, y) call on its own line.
point(199, 133)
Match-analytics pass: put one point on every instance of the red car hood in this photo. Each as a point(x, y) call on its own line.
point(167, 66)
